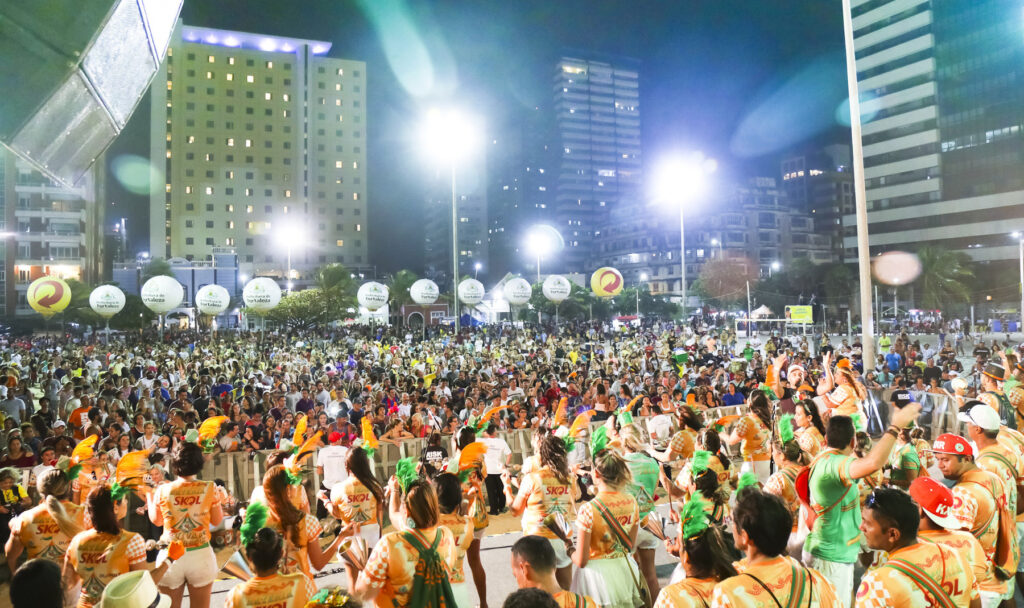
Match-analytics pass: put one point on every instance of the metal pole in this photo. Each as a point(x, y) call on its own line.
point(1021, 328)
point(849, 324)
point(878, 307)
point(749, 333)
point(682, 261)
point(860, 192)
point(288, 276)
point(108, 330)
point(895, 302)
point(455, 252)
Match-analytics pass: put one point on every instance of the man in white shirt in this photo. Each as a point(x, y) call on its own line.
point(496, 459)
point(330, 466)
point(405, 407)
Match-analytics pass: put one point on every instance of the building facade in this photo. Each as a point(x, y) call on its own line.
point(942, 93)
point(263, 150)
point(48, 229)
point(820, 182)
point(597, 113)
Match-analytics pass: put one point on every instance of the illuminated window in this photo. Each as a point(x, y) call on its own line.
point(287, 193)
point(209, 75)
point(231, 61)
point(286, 97)
point(191, 139)
point(168, 137)
point(209, 189)
point(270, 65)
point(340, 242)
point(168, 154)
point(266, 96)
point(337, 102)
point(337, 87)
point(231, 224)
point(210, 58)
point(168, 85)
point(355, 196)
point(286, 113)
point(337, 164)
point(250, 79)
point(231, 142)
point(341, 72)
point(248, 209)
point(355, 165)
point(188, 189)
point(286, 208)
point(167, 188)
point(230, 174)
point(248, 192)
point(359, 227)
point(208, 157)
point(229, 76)
point(231, 209)
point(229, 241)
point(248, 143)
point(341, 118)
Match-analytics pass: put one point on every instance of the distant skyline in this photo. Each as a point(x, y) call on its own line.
point(742, 81)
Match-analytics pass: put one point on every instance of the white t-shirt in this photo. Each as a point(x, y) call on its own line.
point(660, 427)
point(497, 452)
point(332, 459)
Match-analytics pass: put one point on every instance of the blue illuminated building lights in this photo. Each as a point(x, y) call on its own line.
point(245, 40)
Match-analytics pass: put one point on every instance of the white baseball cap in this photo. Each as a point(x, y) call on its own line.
point(981, 415)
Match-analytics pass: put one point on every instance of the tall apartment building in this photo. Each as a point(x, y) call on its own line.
point(264, 151)
point(49, 229)
point(597, 110)
point(942, 93)
point(820, 182)
point(471, 192)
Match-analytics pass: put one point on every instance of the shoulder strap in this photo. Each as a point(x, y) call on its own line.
point(922, 580)
point(613, 524)
point(696, 593)
point(839, 501)
point(1001, 459)
point(765, 587)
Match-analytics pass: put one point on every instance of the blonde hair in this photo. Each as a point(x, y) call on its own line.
point(53, 486)
point(631, 439)
point(857, 387)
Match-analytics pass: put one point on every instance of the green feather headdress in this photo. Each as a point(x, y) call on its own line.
point(117, 491)
point(406, 473)
point(768, 391)
point(694, 517)
point(786, 433)
point(747, 479)
point(625, 418)
point(598, 440)
point(701, 459)
point(255, 518)
point(858, 422)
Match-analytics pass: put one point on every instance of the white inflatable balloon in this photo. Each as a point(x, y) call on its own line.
point(471, 292)
point(556, 288)
point(261, 294)
point(212, 300)
point(517, 291)
point(896, 267)
point(424, 292)
point(372, 295)
point(162, 294)
point(106, 301)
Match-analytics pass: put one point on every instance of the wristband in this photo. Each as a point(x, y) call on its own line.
point(894, 431)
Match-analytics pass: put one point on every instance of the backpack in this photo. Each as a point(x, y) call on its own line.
point(430, 585)
point(1007, 413)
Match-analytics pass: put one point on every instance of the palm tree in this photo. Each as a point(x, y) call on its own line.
point(399, 285)
point(155, 268)
point(944, 277)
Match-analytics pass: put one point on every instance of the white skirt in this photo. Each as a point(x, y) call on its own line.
point(461, 593)
point(610, 582)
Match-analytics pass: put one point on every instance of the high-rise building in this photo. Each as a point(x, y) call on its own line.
point(49, 229)
point(471, 193)
point(820, 182)
point(942, 103)
point(263, 143)
point(597, 110)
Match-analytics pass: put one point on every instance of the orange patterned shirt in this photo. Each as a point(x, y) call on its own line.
point(462, 531)
point(755, 439)
point(185, 506)
point(969, 549)
point(274, 591)
point(682, 442)
point(39, 533)
point(356, 502)
point(810, 440)
point(976, 509)
point(296, 557)
point(603, 543)
point(783, 484)
point(568, 599)
point(744, 592)
point(887, 587)
point(99, 558)
point(392, 564)
point(687, 593)
point(545, 495)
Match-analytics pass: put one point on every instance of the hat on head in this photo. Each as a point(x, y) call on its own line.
point(979, 414)
point(334, 437)
point(843, 363)
point(902, 398)
point(59, 423)
point(994, 371)
point(936, 500)
point(948, 443)
point(133, 590)
point(795, 368)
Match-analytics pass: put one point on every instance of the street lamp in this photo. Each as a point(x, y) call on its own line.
point(643, 279)
point(774, 267)
point(681, 180)
point(718, 243)
point(449, 137)
point(289, 236)
point(542, 240)
point(1020, 242)
point(476, 269)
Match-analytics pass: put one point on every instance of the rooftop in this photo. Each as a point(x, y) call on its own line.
point(256, 42)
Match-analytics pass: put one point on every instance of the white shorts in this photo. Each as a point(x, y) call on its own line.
point(562, 559)
point(480, 534)
point(841, 576)
point(761, 468)
point(196, 568)
point(646, 540)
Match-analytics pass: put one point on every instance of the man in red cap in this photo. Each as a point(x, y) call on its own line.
point(938, 525)
point(915, 573)
point(979, 506)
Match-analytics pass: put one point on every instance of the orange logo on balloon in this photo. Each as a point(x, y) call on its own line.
point(606, 282)
point(48, 295)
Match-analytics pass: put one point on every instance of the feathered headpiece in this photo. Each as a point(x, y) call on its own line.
point(301, 423)
point(746, 479)
point(858, 422)
point(293, 464)
point(130, 473)
point(625, 418)
point(82, 452)
point(725, 421)
point(599, 440)
point(370, 443)
point(693, 517)
point(786, 433)
point(480, 424)
point(701, 460)
point(406, 473)
point(470, 458)
point(208, 432)
point(559, 419)
point(255, 518)
point(578, 425)
point(768, 391)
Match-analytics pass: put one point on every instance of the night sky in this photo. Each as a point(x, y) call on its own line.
point(741, 80)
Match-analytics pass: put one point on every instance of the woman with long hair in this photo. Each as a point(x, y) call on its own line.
point(842, 392)
point(388, 576)
point(548, 490)
point(904, 461)
point(300, 530)
point(704, 557)
point(532, 463)
point(476, 496)
point(269, 587)
point(808, 427)
point(103, 552)
point(708, 441)
point(790, 460)
point(17, 455)
point(45, 531)
point(606, 534)
point(449, 500)
point(186, 508)
point(645, 472)
point(396, 432)
point(753, 432)
point(416, 427)
point(358, 501)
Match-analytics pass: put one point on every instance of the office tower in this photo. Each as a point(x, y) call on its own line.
point(819, 181)
point(48, 229)
point(942, 93)
point(597, 110)
point(471, 193)
point(259, 145)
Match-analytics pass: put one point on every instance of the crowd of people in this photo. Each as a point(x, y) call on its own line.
point(772, 504)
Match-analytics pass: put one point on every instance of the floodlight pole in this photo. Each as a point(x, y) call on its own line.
point(860, 195)
point(455, 253)
point(682, 262)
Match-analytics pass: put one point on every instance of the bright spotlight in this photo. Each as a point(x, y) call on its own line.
point(681, 179)
point(450, 135)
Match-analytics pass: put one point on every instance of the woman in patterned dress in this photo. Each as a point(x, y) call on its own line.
point(704, 558)
point(790, 459)
point(475, 494)
point(810, 430)
point(752, 432)
point(358, 501)
point(46, 530)
point(269, 587)
point(606, 533)
point(300, 530)
point(451, 506)
point(842, 393)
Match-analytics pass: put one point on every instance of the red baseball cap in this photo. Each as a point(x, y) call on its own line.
point(936, 500)
point(948, 443)
point(334, 437)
